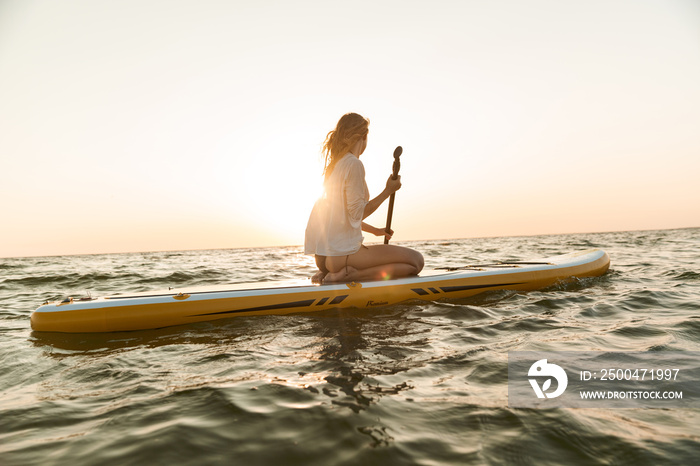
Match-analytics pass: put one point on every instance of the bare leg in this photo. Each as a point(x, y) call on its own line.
point(344, 275)
point(376, 262)
point(322, 270)
point(380, 272)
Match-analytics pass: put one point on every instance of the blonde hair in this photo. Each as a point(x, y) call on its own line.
point(350, 128)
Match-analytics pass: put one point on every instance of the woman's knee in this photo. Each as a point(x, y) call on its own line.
point(419, 260)
point(415, 259)
point(412, 258)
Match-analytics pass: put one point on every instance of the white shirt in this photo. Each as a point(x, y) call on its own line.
point(335, 223)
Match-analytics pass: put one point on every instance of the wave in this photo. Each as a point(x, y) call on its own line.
point(102, 280)
point(686, 276)
point(69, 280)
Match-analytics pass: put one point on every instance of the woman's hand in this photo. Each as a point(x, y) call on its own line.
point(385, 233)
point(377, 231)
point(393, 185)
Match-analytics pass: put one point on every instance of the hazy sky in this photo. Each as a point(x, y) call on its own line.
point(159, 125)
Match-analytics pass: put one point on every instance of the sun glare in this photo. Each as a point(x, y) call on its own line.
point(281, 195)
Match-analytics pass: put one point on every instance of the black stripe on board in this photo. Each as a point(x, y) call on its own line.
point(272, 307)
point(420, 291)
point(452, 289)
point(339, 299)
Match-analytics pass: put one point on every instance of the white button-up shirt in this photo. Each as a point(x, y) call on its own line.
point(335, 223)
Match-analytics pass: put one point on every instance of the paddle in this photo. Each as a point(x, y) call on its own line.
point(397, 166)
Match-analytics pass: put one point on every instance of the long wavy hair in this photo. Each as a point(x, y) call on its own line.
point(350, 128)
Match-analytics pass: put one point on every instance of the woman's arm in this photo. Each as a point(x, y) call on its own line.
point(392, 185)
point(377, 231)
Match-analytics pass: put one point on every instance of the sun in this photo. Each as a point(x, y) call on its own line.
point(281, 192)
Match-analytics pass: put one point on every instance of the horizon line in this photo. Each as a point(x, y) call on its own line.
point(299, 245)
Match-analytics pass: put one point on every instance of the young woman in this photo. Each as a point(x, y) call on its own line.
point(334, 231)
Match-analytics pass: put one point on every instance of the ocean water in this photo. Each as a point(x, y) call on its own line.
point(416, 383)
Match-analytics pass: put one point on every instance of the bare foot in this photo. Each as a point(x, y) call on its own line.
point(344, 275)
point(318, 277)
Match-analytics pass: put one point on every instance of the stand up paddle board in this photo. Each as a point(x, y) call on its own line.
point(149, 310)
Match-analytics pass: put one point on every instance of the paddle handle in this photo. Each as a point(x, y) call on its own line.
point(395, 175)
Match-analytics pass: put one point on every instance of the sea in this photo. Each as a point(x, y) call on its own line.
point(410, 384)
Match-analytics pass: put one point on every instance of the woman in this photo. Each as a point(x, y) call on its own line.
point(334, 231)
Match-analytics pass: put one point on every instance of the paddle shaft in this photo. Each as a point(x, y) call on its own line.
point(395, 175)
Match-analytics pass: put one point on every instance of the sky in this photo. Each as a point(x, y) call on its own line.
point(145, 125)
